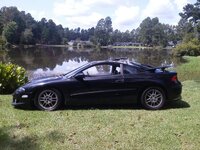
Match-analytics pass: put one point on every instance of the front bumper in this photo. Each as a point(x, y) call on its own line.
point(21, 99)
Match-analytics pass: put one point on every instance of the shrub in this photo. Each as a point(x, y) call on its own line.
point(11, 77)
point(190, 48)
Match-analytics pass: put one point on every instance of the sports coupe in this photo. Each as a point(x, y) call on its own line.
point(117, 81)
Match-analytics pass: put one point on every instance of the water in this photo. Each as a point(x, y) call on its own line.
point(48, 61)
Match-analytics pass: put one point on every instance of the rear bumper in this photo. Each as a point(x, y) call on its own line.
point(177, 98)
point(174, 93)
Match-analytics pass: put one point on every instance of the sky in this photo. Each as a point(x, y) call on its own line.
point(125, 14)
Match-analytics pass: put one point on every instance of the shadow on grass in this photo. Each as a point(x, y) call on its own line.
point(102, 107)
point(177, 105)
point(86, 107)
point(55, 136)
point(10, 141)
point(171, 105)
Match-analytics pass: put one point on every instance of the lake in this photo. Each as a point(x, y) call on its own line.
point(48, 61)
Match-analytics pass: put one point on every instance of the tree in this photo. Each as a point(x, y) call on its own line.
point(151, 32)
point(184, 28)
point(108, 25)
point(103, 31)
point(1, 24)
point(9, 32)
point(146, 31)
point(91, 31)
point(116, 36)
point(158, 37)
point(50, 32)
point(189, 29)
point(10, 14)
point(171, 33)
point(126, 36)
point(100, 33)
point(191, 13)
point(27, 37)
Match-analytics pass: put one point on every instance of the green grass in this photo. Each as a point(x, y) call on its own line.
point(189, 70)
point(176, 127)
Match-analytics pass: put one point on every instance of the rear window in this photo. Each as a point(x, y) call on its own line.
point(129, 70)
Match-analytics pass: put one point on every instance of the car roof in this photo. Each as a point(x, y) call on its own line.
point(137, 65)
point(116, 60)
point(127, 62)
point(124, 61)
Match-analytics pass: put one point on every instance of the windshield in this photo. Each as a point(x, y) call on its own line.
point(71, 73)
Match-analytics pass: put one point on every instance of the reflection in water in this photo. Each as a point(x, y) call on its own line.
point(59, 69)
point(48, 61)
point(4, 56)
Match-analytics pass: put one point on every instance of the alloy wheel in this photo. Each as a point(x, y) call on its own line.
point(153, 98)
point(48, 99)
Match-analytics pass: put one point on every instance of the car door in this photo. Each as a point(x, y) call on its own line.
point(133, 79)
point(103, 83)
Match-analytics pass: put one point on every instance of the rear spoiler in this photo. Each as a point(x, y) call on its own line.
point(162, 68)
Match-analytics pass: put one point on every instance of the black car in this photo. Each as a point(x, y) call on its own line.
point(117, 81)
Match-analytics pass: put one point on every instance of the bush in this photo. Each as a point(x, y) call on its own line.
point(11, 77)
point(190, 48)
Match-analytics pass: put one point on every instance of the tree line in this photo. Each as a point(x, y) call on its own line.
point(19, 27)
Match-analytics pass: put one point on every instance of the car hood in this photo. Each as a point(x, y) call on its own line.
point(47, 79)
point(43, 81)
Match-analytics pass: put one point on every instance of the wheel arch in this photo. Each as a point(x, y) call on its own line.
point(159, 85)
point(152, 102)
point(41, 88)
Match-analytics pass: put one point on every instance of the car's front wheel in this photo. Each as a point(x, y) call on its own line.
point(153, 98)
point(48, 99)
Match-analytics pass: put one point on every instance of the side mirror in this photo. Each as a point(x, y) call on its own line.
point(79, 76)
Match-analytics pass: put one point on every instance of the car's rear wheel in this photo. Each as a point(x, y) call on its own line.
point(153, 98)
point(48, 99)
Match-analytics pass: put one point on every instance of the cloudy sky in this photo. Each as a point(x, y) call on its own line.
point(125, 14)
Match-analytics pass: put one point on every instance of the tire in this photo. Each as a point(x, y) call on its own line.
point(48, 99)
point(153, 98)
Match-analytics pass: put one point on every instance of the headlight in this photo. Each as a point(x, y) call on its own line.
point(21, 89)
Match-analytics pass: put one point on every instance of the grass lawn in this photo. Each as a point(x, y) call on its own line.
point(189, 70)
point(176, 127)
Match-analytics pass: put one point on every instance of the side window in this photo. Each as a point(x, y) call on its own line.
point(129, 70)
point(98, 70)
point(116, 69)
point(104, 69)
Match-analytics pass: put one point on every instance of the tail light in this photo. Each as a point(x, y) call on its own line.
point(174, 78)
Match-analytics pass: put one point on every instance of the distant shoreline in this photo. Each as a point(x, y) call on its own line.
point(124, 47)
point(103, 47)
point(46, 45)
